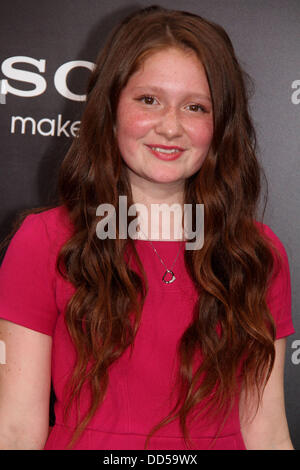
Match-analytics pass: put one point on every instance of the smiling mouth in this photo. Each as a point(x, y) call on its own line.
point(166, 153)
point(168, 150)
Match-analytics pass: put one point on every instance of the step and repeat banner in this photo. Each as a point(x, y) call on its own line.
point(48, 49)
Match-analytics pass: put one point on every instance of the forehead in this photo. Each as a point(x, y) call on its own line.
point(171, 68)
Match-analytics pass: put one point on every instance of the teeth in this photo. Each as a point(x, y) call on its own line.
point(158, 149)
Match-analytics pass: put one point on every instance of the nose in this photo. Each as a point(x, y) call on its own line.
point(169, 124)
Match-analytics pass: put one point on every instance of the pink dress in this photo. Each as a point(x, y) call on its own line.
point(34, 295)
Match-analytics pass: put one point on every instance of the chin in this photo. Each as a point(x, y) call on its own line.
point(166, 180)
point(167, 177)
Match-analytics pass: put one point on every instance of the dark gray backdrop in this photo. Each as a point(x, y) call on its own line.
point(265, 34)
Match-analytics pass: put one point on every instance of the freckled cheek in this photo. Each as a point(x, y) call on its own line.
point(134, 124)
point(201, 136)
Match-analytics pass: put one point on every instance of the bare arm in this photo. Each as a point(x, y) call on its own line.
point(25, 382)
point(269, 429)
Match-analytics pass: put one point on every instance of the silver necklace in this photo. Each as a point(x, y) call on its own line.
point(168, 271)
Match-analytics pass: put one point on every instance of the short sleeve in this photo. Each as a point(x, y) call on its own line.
point(279, 292)
point(27, 278)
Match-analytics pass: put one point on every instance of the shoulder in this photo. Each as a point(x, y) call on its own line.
point(275, 243)
point(39, 237)
point(28, 275)
point(56, 220)
point(279, 285)
point(266, 231)
point(52, 226)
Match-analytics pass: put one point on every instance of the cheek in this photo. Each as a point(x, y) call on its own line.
point(132, 124)
point(201, 135)
point(201, 138)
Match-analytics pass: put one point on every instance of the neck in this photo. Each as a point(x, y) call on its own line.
point(161, 213)
point(144, 192)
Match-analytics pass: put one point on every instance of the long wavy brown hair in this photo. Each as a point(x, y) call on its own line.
point(231, 272)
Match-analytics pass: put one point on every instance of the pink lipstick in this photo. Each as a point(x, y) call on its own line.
point(165, 152)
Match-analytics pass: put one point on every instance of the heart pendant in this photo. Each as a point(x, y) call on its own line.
point(171, 280)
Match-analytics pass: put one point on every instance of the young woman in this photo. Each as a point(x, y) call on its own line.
point(149, 345)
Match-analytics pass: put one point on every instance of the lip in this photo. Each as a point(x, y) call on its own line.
point(164, 156)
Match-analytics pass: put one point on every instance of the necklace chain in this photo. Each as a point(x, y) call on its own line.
point(162, 260)
point(167, 270)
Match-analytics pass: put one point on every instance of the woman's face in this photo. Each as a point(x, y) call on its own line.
point(164, 118)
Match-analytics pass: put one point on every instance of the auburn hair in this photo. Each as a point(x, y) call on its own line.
point(231, 272)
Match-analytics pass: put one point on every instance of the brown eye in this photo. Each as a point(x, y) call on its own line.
point(196, 108)
point(147, 99)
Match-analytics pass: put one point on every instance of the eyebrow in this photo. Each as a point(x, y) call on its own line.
point(161, 90)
